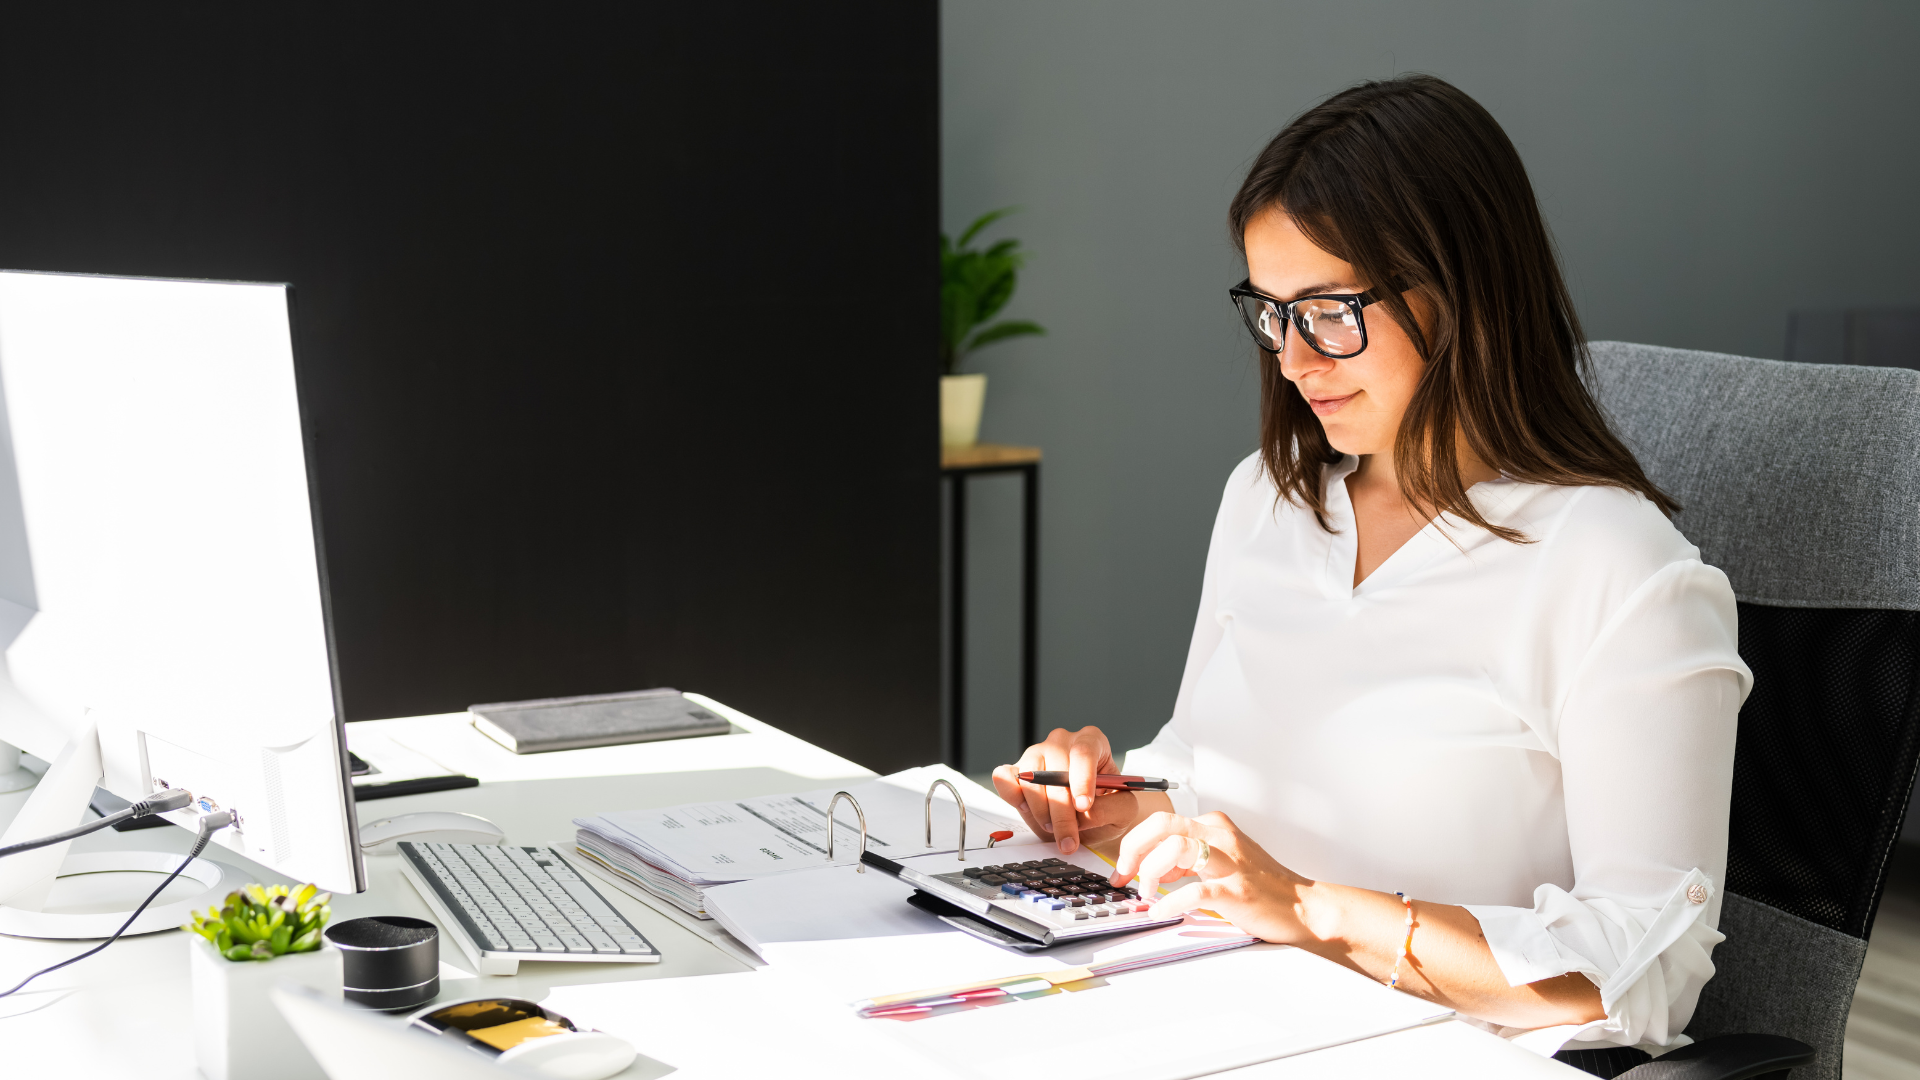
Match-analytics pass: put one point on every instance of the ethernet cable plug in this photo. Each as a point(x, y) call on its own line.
point(171, 799)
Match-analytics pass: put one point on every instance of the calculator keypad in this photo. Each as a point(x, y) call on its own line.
point(1053, 892)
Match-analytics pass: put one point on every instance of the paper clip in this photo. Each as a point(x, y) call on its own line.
point(963, 816)
point(860, 866)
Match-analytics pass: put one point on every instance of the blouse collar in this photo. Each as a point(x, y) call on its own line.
point(1444, 537)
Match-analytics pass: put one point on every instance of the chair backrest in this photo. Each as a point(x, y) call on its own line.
point(1802, 483)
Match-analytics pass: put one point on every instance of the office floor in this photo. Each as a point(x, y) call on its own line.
point(1883, 1032)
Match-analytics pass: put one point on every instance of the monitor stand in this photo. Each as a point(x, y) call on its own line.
point(13, 775)
point(59, 800)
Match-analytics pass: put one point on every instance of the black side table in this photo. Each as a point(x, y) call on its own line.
point(957, 465)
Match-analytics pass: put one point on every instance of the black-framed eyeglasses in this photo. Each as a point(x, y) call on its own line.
point(1331, 324)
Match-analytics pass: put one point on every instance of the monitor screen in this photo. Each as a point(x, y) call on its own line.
point(159, 576)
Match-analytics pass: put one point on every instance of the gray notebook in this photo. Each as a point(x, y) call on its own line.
point(573, 723)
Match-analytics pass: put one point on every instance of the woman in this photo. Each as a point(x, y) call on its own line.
point(1456, 674)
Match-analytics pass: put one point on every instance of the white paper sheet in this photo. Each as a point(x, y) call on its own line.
point(1164, 1023)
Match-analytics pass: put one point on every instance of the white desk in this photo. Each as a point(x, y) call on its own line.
point(126, 1012)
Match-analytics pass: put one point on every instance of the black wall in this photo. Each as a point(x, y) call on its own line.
point(616, 322)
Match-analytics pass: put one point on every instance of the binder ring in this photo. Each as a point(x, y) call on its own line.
point(861, 866)
point(963, 815)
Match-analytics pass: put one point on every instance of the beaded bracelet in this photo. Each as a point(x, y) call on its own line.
point(1406, 947)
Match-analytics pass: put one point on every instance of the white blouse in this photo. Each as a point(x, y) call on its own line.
point(1541, 732)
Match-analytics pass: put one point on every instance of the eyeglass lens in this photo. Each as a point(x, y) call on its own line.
point(1331, 326)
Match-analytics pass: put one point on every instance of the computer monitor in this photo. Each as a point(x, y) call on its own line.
point(161, 589)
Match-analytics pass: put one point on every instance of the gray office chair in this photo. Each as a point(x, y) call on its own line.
point(1802, 482)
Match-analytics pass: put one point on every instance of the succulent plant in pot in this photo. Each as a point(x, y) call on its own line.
point(260, 922)
point(237, 1032)
point(974, 285)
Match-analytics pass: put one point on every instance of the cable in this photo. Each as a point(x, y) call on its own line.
point(172, 799)
point(210, 824)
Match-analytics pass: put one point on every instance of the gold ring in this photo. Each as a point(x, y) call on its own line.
point(1205, 853)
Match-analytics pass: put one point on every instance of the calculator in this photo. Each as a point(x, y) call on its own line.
point(1040, 902)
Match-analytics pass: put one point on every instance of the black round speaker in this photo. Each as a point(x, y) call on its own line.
point(388, 962)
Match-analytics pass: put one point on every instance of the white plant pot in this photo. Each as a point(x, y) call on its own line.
point(238, 1034)
point(961, 399)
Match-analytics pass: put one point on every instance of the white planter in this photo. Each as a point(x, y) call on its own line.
point(237, 1032)
point(961, 399)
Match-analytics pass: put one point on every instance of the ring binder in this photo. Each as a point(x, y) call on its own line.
point(962, 856)
point(861, 866)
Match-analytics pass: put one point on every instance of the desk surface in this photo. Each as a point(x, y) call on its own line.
point(126, 1012)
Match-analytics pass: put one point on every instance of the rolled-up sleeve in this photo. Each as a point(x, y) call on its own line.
point(1645, 740)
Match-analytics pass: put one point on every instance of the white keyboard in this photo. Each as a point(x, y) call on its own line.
point(504, 904)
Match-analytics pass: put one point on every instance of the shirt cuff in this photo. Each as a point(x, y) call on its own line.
point(1520, 943)
point(1616, 949)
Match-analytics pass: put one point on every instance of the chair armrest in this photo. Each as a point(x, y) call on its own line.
point(1728, 1057)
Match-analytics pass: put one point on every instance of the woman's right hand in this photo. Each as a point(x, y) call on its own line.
point(1079, 813)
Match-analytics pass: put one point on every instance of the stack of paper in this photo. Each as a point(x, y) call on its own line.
point(678, 852)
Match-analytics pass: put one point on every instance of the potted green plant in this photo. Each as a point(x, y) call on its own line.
point(974, 286)
point(261, 935)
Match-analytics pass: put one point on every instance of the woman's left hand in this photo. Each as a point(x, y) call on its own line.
point(1238, 879)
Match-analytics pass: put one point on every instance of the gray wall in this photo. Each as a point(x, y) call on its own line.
point(1705, 167)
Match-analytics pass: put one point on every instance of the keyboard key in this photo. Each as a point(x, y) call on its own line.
point(992, 879)
point(576, 943)
point(973, 871)
point(631, 943)
point(1013, 888)
point(602, 942)
point(584, 895)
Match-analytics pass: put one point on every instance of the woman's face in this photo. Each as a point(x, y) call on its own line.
point(1361, 399)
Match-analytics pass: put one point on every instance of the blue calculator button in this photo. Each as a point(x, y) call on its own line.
point(1013, 888)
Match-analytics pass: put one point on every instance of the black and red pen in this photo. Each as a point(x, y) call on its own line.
point(1109, 781)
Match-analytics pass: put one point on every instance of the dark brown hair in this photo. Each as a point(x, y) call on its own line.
point(1412, 182)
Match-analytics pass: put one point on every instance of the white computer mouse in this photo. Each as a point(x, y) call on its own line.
point(428, 827)
point(575, 1055)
